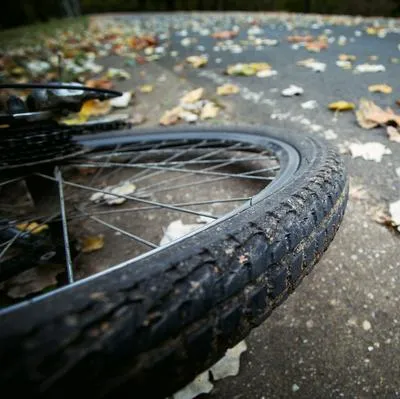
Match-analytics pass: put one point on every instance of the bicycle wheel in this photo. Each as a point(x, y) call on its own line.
point(158, 315)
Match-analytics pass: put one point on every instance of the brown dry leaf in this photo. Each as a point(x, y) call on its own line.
point(300, 39)
point(171, 117)
point(381, 88)
point(369, 115)
point(32, 227)
point(210, 110)
point(146, 88)
point(347, 57)
point(227, 89)
point(101, 83)
point(193, 96)
point(33, 281)
point(95, 108)
point(197, 61)
point(317, 46)
point(224, 35)
point(393, 133)
point(92, 243)
point(341, 106)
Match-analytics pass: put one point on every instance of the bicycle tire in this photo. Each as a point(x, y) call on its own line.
point(153, 326)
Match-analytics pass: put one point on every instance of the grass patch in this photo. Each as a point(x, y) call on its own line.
point(30, 35)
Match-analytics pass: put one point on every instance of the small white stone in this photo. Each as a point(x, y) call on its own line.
point(366, 325)
point(295, 388)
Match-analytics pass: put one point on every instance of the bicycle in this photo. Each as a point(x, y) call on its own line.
point(265, 205)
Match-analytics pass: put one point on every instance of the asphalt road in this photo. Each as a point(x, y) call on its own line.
point(338, 335)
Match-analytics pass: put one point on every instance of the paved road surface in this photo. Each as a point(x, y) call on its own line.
point(339, 334)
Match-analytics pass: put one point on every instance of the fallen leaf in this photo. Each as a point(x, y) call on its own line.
point(300, 39)
point(100, 83)
point(341, 106)
point(292, 90)
point(344, 64)
point(32, 227)
point(193, 96)
point(229, 365)
point(124, 188)
point(177, 229)
point(210, 110)
point(317, 46)
point(381, 88)
point(247, 69)
point(266, 73)
point(95, 108)
point(310, 63)
point(364, 68)
point(146, 88)
point(121, 101)
point(188, 116)
point(33, 281)
point(201, 384)
point(197, 61)
point(394, 210)
point(369, 115)
point(347, 57)
point(227, 89)
point(92, 243)
point(170, 117)
point(224, 35)
point(372, 151)
point(118, 73)
point(393, 133)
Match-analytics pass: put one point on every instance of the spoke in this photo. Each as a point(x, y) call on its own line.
point(3, 183)
point(126, 233)
point(149, 208)
point(191, 171)
point(144, 190)
point(8, 243)
point(134, 159)
point(171, 207)
point(145, 173)
point(98, 173)
point(59, 180)
point(203, 161)
point(206, 181)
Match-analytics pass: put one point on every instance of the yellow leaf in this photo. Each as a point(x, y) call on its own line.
point(95, 108)
point(146, 88)
point(341, 106)
point(382, 88)
point(210, 110)
point(92, 243)
point(78, 120)
point(247, 69)
point(193, 96)
point(197, 61)
point(32, 227)
point(227, 89)
point(171, 117)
